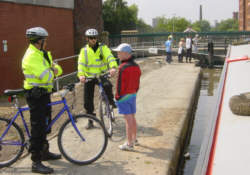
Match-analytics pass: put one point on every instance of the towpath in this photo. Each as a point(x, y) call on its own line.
point(164, 102)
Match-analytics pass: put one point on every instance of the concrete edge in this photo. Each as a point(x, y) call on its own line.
point(183, 132)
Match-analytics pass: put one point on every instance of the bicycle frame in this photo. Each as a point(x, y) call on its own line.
point(103, 95)
point(19, 112)
point(58, 115)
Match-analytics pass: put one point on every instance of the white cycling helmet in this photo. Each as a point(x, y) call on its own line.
point(36, 33)
point(91, 32)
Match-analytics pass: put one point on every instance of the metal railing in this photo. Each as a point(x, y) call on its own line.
point(142, 50)
point(57, 80)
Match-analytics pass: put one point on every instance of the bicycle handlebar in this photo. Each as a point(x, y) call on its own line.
point(66, 89)
point(103, 75)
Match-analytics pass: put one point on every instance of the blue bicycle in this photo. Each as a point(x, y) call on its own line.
point(106, 112)
point(77, 144)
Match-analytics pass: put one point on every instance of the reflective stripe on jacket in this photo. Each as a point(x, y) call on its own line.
point(92, 63)
point(37, 70)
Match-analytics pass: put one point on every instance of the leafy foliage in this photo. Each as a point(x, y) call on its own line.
point(118, 16)
point(175, 24)
point(201, 26)
point(142, 27)
point(227, 25)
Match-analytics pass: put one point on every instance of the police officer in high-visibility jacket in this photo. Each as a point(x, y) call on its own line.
point(94, 59)
point(39, 71)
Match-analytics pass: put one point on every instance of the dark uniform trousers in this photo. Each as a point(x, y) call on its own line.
point(89, 89)
point(40, 116)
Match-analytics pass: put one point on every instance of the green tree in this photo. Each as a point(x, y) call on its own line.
point(180, 24)
point(201, 26)
point(227, 25)
point(118, 16)
point(175, 24)
point(142, 27)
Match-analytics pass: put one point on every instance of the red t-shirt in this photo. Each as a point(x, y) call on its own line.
point(128, 80)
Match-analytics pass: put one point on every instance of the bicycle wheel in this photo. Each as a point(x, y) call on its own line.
point(77, 151)
point(106, 115)
point(12, 144)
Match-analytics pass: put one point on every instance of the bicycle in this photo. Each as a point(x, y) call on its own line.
point(88, 145)
point(105, 110)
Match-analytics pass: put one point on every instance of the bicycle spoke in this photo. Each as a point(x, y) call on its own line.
point(105, 114)
point(11, 146)
point(74, 148)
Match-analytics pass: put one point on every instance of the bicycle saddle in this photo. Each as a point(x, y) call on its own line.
point(10, 92)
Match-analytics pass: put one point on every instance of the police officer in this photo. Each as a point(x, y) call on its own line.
point(39, 72)
point(94, 59)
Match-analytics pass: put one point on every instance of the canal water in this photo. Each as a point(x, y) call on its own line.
point(207, 98)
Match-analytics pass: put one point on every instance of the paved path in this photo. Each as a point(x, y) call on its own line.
point(163, 104)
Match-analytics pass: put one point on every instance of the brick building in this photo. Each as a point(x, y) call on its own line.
point(65, 20)
point(87, 14)
point(244, 15)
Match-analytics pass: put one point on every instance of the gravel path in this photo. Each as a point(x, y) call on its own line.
point(163, 105)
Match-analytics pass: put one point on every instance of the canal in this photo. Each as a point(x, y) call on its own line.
point(207, 98)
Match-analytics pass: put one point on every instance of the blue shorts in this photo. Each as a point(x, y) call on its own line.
point(127, 104)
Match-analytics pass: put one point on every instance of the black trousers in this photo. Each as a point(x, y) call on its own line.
point(189, 54)
point(40, 116)
point(89, 89)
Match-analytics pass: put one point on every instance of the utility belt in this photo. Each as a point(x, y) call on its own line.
point(36, 92)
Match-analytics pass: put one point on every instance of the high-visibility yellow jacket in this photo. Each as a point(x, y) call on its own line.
point(38, 72)
point(92, 63)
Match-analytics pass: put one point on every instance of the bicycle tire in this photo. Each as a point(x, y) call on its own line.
point(91, 149)
point(9, 152)
point(105, 117)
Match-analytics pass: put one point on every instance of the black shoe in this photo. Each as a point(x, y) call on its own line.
point(90, 125)
point(50, 156)
point(38, 167)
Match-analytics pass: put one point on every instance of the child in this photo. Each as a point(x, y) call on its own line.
point(126, 88)
point(181, 50)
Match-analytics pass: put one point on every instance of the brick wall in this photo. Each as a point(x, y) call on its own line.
point(87, 14)
point(14, 20)
point(241, 15)
point(244, 15)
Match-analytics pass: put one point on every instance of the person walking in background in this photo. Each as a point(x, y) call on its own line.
point(210, 49)
point(188, 48)
point(195, 43)
point(94, 59)
point(181, 50)
point(126, 88)
point(168, 45)
point(39, 71)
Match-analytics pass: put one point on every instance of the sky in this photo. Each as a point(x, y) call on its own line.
point(189, 9)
